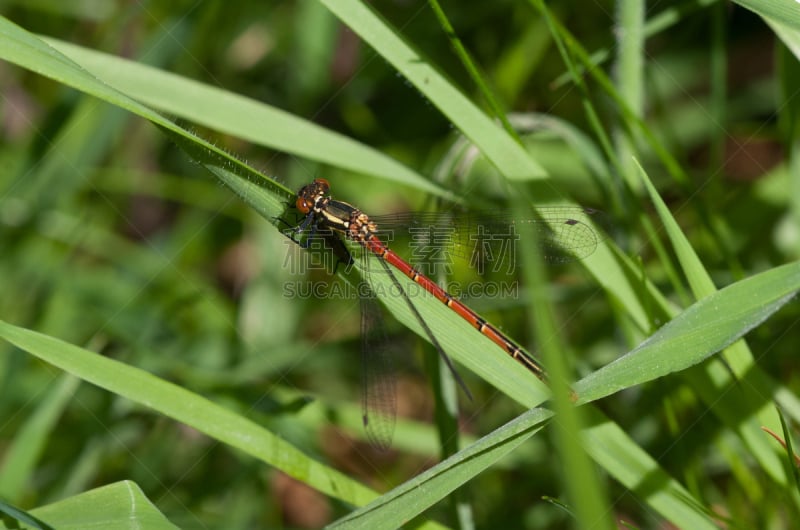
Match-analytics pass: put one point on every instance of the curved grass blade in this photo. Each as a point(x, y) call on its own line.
point(118, 505)
point(188, 408)
point(702, 330)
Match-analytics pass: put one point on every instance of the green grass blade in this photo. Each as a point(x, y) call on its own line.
point(788, 35)
point(702, 330)
point(188, 408)
point(398, 506)
point(629, 79)
point(118, 505)
point(699, 280)
point(9, 512)
point(783, 11)
point(792, 460)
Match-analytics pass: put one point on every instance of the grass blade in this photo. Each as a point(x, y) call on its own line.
point(397, 507)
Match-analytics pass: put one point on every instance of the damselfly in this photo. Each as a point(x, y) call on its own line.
point(564, 233)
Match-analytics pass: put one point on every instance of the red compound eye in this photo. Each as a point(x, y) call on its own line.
point(303, 205)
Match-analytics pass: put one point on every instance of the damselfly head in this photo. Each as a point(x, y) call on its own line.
point(309, 194)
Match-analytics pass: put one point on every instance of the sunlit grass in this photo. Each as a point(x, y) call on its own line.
point(127, 264)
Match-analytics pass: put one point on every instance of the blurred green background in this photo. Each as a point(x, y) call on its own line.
point(112, 238)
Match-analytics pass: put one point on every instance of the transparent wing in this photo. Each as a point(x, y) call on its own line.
point(491, 239)
point(379, 406)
